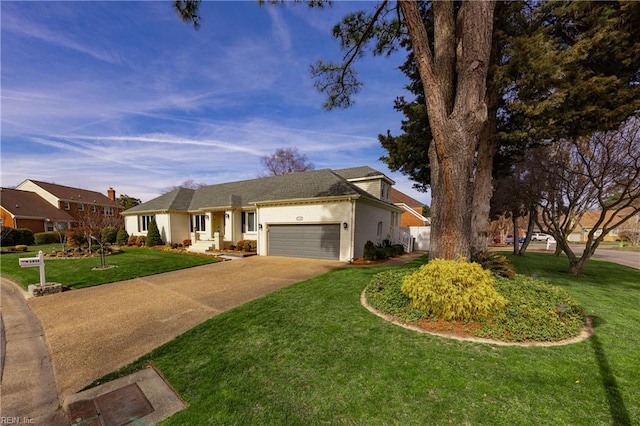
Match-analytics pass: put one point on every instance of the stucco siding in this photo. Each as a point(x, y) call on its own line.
point(368, 218)
point(321, 213)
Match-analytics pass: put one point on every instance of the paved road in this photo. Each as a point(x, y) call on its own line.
point(27, 380)
point(627, 258)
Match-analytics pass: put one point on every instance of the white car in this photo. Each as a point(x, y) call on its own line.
point(539, 236)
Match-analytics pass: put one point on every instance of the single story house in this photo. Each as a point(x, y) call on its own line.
point(590, 219)
point(327, 214)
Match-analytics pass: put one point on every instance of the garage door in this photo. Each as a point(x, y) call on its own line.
point(314, 241)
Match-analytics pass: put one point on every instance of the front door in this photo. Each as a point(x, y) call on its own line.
point(199, 226)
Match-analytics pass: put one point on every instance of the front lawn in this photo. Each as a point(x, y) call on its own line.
point(311, 354)
point(79, 272)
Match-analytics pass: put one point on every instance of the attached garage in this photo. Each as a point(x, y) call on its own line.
point(312, 241)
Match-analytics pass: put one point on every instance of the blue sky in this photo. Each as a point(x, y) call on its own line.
point(126, 95)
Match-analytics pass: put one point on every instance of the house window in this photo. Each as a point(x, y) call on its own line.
point(107, 211)
point(67, 206)
point(249, 222)
point(93, 209)
point(80, 207)
point(144, 222)
point(384, 191)
point(198, 223)
point(48, 226)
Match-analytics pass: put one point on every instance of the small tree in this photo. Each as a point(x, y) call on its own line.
point(153, 235)
point(122, 238)
point(599, 174)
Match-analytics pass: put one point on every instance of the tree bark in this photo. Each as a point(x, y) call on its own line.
point(457, 112)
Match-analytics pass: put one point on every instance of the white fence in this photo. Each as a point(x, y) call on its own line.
point(421, 236)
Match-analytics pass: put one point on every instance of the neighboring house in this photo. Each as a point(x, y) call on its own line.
point(328, 214)
point(412, 220)
point(78, 203)
point(412, 209)
point(26, 209)
point(589, 221)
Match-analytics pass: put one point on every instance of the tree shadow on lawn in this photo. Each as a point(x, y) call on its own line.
point(617, 407)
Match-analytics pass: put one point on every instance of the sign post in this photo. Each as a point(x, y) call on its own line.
point(32, 262)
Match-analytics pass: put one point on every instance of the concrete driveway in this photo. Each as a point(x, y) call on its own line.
point(93, 331)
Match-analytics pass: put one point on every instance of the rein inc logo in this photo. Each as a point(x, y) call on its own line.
point(17, 421)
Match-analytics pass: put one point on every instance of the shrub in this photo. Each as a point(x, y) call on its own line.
point(398, 249)
point(122, 237)
point(133, 240)
point(13, 236)
point(141, 240)
point(381, 253)
point(498, 264)
point(453, 290)
point(20, 247)
point(109, 234)
point(75, 238)
point(51, 237)
point(186, 242)
point(247, 245)
point(369, 251)
point(153, 235)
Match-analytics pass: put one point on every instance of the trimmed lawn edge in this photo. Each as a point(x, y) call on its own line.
point(586, 332)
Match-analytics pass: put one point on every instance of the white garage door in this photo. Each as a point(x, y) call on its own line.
point(313, 241)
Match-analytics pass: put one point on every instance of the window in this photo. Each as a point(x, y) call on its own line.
point(48, 226)
point(93, 209)
point(80, 207)
point(384, 191)
point(67, 206)
point(144, 222)
point(198, 223)
point(249, 222)
point(107, 211)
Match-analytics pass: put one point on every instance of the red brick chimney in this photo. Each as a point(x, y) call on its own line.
point(111, 193)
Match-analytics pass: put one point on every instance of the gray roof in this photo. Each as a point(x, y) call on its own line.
point(176, 200)
point(359, 172)
point(303, 185)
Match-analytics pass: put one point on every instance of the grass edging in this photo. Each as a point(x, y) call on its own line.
point(585, 333)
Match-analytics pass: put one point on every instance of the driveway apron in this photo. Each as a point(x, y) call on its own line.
point(94, 331)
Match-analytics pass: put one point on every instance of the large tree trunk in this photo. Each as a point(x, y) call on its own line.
point(487, 146)
point(457, 112)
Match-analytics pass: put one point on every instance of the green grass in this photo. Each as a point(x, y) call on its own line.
point(79, 273)
point(310, 354)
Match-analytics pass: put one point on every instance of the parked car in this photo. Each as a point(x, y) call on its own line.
point(509, 239)
point(496, 239)
point(539, 236)
point(521, 239)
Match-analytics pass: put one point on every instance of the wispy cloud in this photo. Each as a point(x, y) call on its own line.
point(123, 94)
point(32, 29)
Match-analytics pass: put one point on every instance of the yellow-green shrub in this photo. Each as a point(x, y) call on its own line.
point(453, 290)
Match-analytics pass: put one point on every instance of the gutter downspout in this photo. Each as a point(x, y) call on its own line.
point(353, 229)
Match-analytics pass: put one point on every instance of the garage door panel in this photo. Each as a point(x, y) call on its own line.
point(312, 241)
